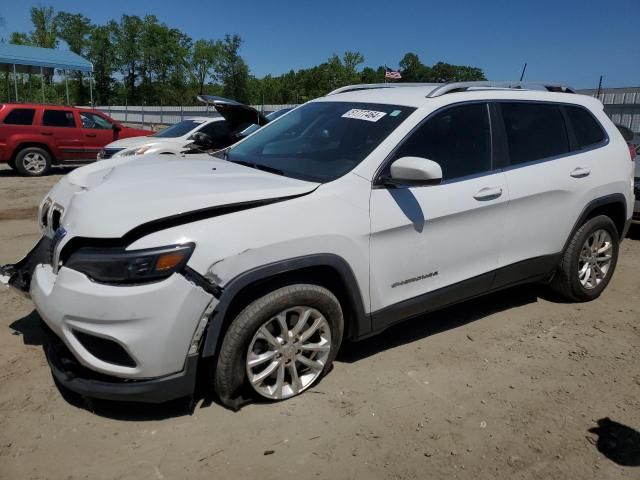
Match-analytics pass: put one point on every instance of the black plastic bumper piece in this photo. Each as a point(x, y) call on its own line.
point(79, 379)
point(19, 274)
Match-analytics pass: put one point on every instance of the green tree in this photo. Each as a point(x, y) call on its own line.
point(19, 38)
point(205, 56)
point(128, 35)
point(231, 69)
point(101, 51)
point(45, 27)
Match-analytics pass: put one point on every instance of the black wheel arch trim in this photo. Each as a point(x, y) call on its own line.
point(361, 320)
point(614, 198)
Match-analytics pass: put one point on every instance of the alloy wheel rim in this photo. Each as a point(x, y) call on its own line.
point(288, 352)
point(595, 259)
point(34, 162)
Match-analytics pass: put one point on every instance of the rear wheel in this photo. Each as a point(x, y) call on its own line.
point(33, 162)
point(589, 261)
point(280, 345)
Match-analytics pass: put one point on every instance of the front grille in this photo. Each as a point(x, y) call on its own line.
point(105, 349)
point(109, 152)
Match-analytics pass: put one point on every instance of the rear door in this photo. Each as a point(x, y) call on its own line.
point(97, 132)
point(60, 126)
point(549, 174)
point(433, 245)
point(17, 121)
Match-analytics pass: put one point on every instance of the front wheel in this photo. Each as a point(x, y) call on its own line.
point(280, 345)
point(589, 261)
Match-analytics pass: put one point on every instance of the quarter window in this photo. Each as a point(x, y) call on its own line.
point(58, 118)
point(534, 131)
point(586, 128)
point(457, 138)
point(20, 116)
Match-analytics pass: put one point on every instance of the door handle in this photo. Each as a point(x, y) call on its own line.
point(47, 133)
point(488, 193)
point(580, 172)
point(92, 135)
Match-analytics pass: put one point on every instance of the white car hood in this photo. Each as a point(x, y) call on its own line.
point(108, 199)
point(132, 142)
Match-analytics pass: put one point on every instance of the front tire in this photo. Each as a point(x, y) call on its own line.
point(279, 345)
point(33, 162)
point(589, 261)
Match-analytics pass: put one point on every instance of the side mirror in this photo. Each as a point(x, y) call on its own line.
point(414, 171)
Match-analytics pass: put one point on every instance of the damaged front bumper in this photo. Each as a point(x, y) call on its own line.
point(19, 275)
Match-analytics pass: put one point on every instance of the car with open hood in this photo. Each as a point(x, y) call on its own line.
point(349, 214)
point(236, 120)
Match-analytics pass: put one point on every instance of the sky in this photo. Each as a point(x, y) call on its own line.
point(563, 41)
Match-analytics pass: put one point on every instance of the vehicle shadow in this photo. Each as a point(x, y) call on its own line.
point(617, 442)
point(436, 322)
point(33, 332)
point(55, 170)
point(634, 232)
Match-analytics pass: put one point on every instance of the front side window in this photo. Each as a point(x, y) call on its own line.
point(458, 139)
point(20, 116)
point(58, 118)
point(320, 141)
point(216, 129)
point(535, 131)
point(91, 120)
point(586, 129)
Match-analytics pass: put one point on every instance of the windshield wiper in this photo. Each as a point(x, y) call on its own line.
point(259, 166)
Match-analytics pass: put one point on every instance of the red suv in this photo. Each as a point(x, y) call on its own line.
point(35, 136)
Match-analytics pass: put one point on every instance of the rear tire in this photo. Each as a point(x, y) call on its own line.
point(33, 162)
point(589, 261)
point(245, 342)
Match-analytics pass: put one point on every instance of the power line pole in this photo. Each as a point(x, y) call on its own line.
point(524, 69)
point(599, 87)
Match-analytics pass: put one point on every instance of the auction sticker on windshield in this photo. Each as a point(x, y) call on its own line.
point(368, 115)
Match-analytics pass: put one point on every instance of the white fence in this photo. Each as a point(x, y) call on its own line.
point(168, 115)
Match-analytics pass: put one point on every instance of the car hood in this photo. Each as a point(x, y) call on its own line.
point(109, 199)
point(132, 142)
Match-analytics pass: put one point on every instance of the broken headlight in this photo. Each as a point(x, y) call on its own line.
point(130, 267)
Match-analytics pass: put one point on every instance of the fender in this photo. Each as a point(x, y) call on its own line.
point(361, 320)
point(614, 198)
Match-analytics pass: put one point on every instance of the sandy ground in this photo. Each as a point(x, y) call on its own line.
point(507, 386)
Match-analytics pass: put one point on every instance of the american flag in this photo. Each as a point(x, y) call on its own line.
point(392, 74)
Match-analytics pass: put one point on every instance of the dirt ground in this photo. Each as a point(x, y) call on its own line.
point(507, 386)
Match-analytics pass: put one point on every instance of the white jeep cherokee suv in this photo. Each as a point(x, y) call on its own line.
point(349, 214)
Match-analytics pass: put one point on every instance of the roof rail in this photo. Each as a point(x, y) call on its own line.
point(370, 86)
point(453, 87)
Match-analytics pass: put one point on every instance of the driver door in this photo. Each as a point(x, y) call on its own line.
point(434, 245)
point(97, 132)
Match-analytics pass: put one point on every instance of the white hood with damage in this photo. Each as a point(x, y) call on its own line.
point(108, 199)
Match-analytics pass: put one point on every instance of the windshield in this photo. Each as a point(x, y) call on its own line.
point(320, 141)
point(179, 129)
point(272, 116)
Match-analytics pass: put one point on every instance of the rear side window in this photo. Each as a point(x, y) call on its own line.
point(58, 118)
point(587, 130)
point(20, 116)
point(457, 138)
point(534, 131)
